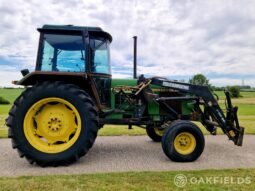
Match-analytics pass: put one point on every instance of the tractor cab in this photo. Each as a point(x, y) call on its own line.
point(66, 50)
point(74, 49)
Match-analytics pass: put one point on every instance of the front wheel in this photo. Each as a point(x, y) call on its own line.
point(183, 141)
point(53, 123)
point(154, 133)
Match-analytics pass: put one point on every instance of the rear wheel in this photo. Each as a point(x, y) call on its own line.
point(53, 123)
point(183, 141)
point(154, 133)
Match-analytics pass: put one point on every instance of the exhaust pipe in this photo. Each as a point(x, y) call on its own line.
point(135, 58)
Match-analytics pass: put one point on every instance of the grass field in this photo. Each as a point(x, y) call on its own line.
point(246, 114)
point(135, 181)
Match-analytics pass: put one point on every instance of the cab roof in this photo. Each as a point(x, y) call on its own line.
point(72, 28)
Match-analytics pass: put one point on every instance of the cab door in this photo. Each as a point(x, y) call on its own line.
point(103, 87)
point(101, 69)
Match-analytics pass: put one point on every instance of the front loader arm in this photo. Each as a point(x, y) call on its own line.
point(229, 123)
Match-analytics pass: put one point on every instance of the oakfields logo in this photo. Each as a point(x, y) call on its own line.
point(181, 180)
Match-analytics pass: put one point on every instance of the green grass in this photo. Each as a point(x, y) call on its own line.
point(245, 109)
point(109, 130)
point(244, 94)
point(132, 181)
point(10, 94)
point(3, 129)
point(4, 109)
point(246, 114)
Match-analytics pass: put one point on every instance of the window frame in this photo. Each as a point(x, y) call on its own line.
point(106, 40)
point(41, 47)
point(85, 34)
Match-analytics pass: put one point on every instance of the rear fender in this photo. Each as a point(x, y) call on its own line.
point(78, 78)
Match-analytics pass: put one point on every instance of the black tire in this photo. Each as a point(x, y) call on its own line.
point(153, 134)
point(175, 129)
point(69, 92)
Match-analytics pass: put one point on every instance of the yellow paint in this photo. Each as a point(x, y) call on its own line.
point(232, 133)
point(52, 125)
point(159, 131)
point(185, 143)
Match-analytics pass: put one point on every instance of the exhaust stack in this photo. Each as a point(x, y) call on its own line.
point(135, 58)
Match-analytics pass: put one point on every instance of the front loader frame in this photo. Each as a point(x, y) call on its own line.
point(229, 123)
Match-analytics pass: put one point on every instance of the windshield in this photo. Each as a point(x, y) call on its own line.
point(100, 55)
point(65, 53)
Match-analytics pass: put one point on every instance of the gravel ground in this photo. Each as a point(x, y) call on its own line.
point(135, 153)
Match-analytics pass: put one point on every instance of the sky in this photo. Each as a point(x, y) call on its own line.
point(176, 39)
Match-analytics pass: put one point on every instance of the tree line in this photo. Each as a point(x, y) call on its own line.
point(200, 79)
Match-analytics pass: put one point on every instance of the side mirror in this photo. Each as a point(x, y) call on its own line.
point(24, 72)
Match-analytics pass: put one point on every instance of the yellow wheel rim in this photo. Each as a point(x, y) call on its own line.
point(185, 143)
point(159, 132)
point(52, 125)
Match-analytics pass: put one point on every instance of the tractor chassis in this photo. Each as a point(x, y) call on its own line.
point(211, 116)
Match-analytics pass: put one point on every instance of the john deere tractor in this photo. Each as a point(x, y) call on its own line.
point(71, 95)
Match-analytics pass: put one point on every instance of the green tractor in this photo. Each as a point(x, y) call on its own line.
point(71, 95)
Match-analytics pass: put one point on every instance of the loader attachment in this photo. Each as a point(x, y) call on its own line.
point(212, 116)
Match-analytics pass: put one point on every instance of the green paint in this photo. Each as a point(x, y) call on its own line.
point(71, 27)
point(125, 108)
point(114, 116)
point(120, 82)
point(153, 108)
point(187, 107)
